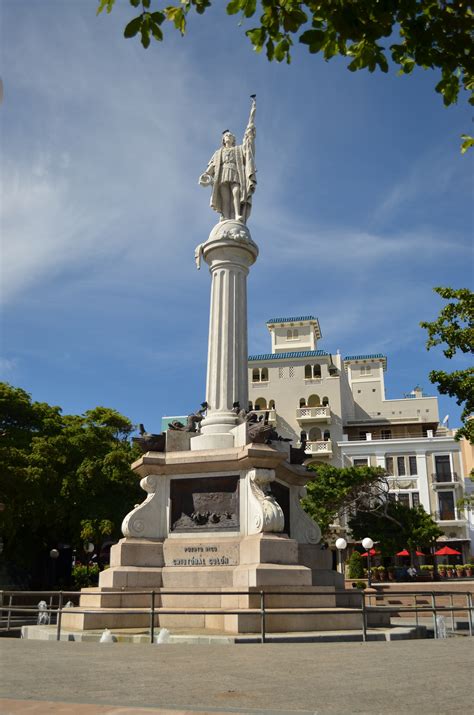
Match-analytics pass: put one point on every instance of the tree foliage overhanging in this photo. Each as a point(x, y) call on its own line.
point(63, 478)
point(409, 33)
point(334, 490)
point(454, 328)
point(396, 527)
point(361, 493)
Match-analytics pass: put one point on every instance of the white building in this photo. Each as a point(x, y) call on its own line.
point(341, 406)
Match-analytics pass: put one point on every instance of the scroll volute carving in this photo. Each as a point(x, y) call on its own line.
point(265, 514)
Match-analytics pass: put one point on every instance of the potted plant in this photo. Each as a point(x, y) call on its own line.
point(460, 570)
point(449, 571)
point(442, 570)
point(382, 573)
point(468, 570)
point(427, 571)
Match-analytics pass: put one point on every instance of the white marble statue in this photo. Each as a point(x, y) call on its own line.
point(232, 174)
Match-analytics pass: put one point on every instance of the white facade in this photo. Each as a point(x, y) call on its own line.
point(341, 406)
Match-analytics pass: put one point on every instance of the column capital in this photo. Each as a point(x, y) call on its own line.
point(230, 242)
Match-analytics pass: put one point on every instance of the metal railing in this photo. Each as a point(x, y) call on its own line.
point(450, 515)
point(359, 602)
point(451, 478)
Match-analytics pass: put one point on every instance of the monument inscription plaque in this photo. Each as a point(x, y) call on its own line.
point(205, 504)
point(201, 553)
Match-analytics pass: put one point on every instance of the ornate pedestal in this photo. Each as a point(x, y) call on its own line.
point(217, 520)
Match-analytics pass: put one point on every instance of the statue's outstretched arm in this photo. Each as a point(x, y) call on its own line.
point(253, 109)
point(250, 132)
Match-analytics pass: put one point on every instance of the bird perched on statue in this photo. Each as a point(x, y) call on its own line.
point(150, 442)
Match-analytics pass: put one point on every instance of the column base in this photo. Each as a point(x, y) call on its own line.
point(222, 440)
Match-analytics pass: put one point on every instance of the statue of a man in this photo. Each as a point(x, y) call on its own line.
point(232, 173)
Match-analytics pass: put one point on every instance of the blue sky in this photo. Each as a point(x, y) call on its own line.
point(363, 205)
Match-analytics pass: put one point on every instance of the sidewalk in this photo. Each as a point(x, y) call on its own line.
point(423, 676)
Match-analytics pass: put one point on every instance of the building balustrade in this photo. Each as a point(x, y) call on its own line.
point(271, 415)
point(313, 414)
point(375, 436)
point(450, 515)
point(440, 479)
point(322, 448)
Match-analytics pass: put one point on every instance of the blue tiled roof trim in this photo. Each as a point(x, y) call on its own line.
point(377, 356)
point(299, 318)
point(284, 356)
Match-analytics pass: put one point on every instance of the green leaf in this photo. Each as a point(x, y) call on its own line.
point(250, 7)
point(146, 3)
point(145, 32)
point(135, 3)
point(257, 37)
point(234, 6)
point(158, 17)
point(467, 143)
point(270, 49)
point(177, 16)
point(312, 37)
point(281, 50)
point(133, 27)
point(156, 31)
point(105, 4)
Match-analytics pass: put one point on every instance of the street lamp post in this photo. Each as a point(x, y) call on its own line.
point(368, 544)
point(54, 555)
point(341, 544)
point(89, 550)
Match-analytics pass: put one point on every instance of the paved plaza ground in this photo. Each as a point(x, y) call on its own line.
point(421, 676)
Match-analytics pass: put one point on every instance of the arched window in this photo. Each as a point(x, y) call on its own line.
point(314, 401)
point(264, 374)
point(260, 403)
point(256, 374)
point(314, 434)
point(271, 405)
point(307, 372)
point(303, 437)
point(317, 371)
point(325, 401)
point(302, 402)
point(292, 334)
point(250, 407)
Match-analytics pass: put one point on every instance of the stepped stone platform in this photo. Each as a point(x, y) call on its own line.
point(196, 636)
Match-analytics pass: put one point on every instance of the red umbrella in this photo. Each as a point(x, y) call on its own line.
point(372, 552)
point(447, 551)
point(407, 553)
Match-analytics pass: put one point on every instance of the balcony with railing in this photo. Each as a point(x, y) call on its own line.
point(445, 479)
point(451, 515)
point(321, 448)
point(313, 414)
point(271, 415)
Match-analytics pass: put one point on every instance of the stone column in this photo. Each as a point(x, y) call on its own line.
point(229, 252)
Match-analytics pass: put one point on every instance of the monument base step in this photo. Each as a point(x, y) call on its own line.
point(242, 621)
point(201, 637)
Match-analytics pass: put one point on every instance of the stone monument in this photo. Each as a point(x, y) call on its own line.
point(222, 511)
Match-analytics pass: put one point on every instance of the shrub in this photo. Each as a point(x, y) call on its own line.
point(356, 567)
point(82, 577)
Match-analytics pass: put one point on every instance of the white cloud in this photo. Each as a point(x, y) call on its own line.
point(430, 176)
point(8, 366)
